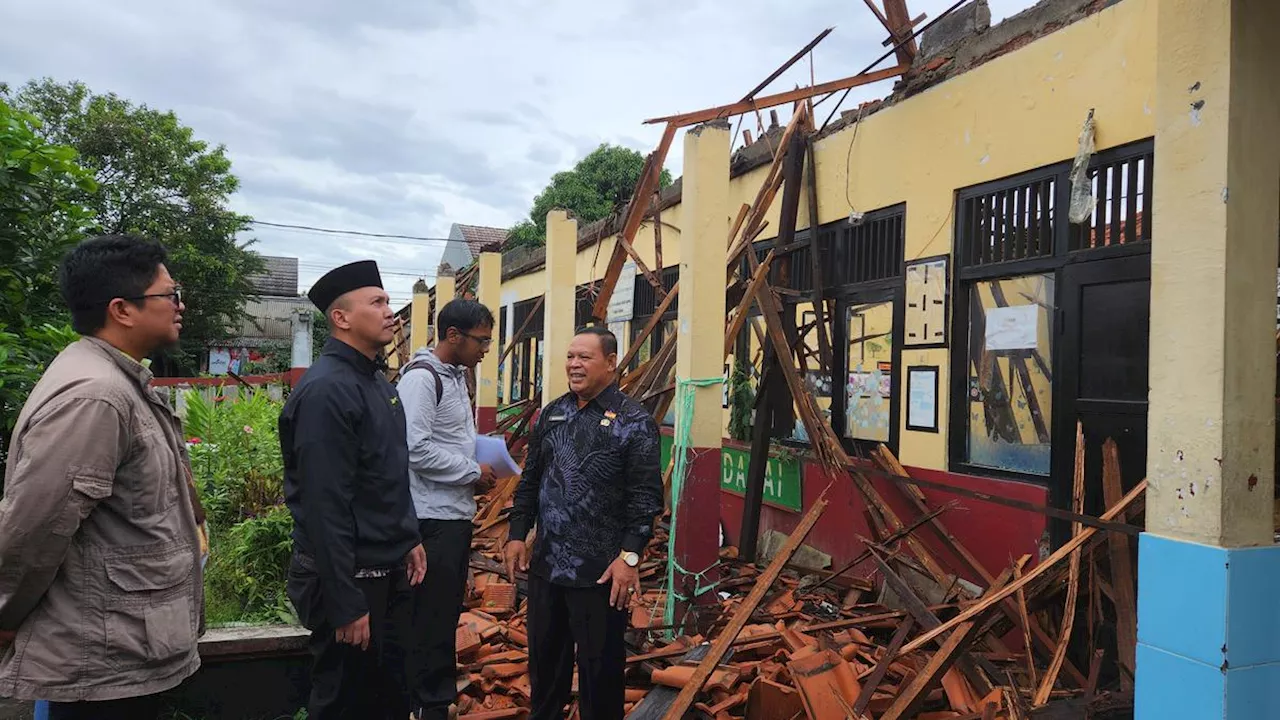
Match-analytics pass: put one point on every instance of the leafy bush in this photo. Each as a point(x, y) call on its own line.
point(245, 579)
point(742, 400)
point(235, 456)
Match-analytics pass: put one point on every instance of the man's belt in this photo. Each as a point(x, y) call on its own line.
point(308, 563)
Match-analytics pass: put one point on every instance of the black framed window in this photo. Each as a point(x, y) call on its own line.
point(526, 365)
point(862, 269)
point(1013, 237)
point(645, 302)
point(520, 314)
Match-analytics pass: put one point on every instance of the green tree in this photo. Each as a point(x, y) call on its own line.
point(598, 186)
point(156, 179)
point(41, 216)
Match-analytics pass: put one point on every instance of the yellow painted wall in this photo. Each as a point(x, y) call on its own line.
point(1015, 113)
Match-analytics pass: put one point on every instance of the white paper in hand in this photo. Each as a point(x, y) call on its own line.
point(492, 451)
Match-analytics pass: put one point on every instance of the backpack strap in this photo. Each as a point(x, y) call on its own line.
point(423, 364)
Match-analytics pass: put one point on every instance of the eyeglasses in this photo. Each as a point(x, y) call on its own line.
point(484, 342)
point(175, 295)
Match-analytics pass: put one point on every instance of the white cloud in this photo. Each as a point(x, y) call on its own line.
point(404, 117)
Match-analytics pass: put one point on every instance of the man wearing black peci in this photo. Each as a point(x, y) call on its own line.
point(356, 545)
point(592, 485)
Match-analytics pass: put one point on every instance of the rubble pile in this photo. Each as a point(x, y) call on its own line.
point(878, 639)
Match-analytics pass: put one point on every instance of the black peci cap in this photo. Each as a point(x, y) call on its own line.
point(342, 280)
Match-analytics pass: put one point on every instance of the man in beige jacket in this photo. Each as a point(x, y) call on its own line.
point(101, 533)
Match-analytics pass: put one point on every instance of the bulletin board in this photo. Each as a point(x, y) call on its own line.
point(925, 319)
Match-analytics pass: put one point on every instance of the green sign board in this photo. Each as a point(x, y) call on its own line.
point(782, 486)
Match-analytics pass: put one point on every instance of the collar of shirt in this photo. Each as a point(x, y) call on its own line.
point(609, 399)
point(359, 360)
point(140, 373)
point(454, 370)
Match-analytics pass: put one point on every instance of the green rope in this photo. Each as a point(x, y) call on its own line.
point(686, 390)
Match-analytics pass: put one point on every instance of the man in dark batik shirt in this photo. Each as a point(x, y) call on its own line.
point(593, 486)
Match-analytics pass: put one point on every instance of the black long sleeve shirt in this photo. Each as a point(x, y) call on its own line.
point(591, 483)
point(342, 435)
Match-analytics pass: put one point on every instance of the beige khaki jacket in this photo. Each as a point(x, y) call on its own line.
point(100, 546)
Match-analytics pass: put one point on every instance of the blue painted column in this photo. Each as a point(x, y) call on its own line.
point(1208, 568)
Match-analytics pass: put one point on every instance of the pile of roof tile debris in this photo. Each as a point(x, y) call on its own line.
point(882, 638)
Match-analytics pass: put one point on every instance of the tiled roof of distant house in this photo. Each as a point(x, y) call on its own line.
point(480, 238)
point(278, 279)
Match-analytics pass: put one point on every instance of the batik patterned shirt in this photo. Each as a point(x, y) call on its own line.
point(592, 485)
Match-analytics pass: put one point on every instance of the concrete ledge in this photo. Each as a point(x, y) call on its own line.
point(257, 642)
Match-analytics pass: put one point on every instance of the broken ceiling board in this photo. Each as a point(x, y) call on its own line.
point(807, 556)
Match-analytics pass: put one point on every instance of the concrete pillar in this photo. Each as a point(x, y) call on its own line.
point(1208, 570)
point(301, 356)
point(420, 319)
point(700, 352)
point(487, 375)
point(446, 290)
point(561, 274)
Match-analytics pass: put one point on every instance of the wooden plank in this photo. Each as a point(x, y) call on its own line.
point(898, 21)
point(649, 327)
point(764, 196)
point(659, 699)
point(1121, 570)
point(635, 214)
point(657, 238)
point(865, 621)
point(744, 305)
point(886, 458)
point(882, 667)
point(1073, 581)
point(753, 498)
point(1025, 621)
point(1057, 556)
point(896, 536)
point(784, 98)
point(740, 618)
point(644, 269)
point(890, 463)
point(926, 618)
point(910, 699)
point(825, 357)
point(1088, 521)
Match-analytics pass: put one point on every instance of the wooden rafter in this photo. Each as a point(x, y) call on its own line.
point(783, 98)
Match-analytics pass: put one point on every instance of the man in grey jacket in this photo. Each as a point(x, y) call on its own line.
point(101, 534)
point(444, 478)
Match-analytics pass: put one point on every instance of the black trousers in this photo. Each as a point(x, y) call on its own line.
point(347, 682)
point(561, 618)
point(146, 707)
point(437, 603)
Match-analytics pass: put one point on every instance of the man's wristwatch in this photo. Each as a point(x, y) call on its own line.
point(630, 558)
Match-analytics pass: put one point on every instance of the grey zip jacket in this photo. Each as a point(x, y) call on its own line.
point(442, 441)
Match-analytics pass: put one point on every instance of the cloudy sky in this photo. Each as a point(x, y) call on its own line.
point(404, 116)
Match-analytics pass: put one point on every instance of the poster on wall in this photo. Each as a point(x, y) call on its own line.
point(619, 330)
point(922, 398)
point(219, 361)
point(622, 301)
point(1013, 328)
point(925, 316)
